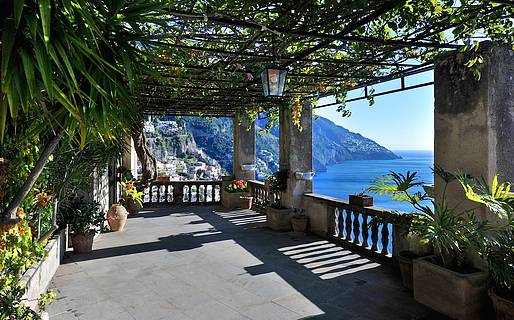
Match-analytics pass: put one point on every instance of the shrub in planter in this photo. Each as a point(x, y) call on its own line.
point(408, 245)
point(132, 199)
point(278, 217)
point(19, 250)
point(499, 254)
point(236, 195)
point(447, 282)
point(84, 218)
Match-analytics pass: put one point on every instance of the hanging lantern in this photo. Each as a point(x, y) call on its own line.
point(273, 81)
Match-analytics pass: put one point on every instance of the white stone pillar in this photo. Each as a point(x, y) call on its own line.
point(129, 159)
point(474, 119)
point(296, 154)
point(244, 148)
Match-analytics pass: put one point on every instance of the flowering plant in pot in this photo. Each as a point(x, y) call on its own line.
point(236, 195)
point(132, 199)
point(84, 218)
point(237, 186)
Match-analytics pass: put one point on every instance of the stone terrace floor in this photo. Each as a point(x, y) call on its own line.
point(209, 263)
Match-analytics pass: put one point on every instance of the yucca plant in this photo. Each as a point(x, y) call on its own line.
point(451, 231)
point(77, 62)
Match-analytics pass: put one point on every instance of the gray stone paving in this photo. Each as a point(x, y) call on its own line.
point(208, 263)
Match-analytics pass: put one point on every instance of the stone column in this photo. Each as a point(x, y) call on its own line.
point(474, 119)
point(129, 159)
point(296, 154)
point(244, 147)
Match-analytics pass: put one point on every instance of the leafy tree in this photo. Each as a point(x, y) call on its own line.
point(77, 62)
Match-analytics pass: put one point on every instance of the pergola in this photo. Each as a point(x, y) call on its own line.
point(210, 58)
point(328, 48)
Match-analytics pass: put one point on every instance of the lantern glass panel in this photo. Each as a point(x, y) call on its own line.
point(273, 82)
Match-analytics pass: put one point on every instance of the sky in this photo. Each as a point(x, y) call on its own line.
point(397, 121)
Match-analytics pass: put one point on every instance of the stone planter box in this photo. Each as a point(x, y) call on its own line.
point(504, 308)
point(459, 296)
point(279, 219)
point(38, 277)
point(236, 200)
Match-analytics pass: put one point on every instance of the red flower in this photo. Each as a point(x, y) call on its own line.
point(129, 186)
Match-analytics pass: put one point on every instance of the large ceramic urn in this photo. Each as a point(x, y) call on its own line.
point(117, 217)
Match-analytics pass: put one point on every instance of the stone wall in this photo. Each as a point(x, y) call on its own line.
point(39, 276)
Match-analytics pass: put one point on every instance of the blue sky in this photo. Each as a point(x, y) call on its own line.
point(398, 121)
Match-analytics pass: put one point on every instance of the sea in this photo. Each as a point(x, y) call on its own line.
point(354, 176)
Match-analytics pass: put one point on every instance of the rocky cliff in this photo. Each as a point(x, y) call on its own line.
point(332, 143)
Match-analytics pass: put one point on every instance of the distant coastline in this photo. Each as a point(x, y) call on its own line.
point(352, 176)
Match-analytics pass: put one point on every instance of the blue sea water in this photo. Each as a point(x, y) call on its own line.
point(354, 176)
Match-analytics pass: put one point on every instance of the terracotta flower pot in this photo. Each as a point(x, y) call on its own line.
point(300, 223)
point(132, 206)
point(83, 243)
point(405, 259)
point(504, 308)
point(117, 217)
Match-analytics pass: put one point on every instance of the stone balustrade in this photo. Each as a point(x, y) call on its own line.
point(350, 225)
point(261, 195)
point(164, 193)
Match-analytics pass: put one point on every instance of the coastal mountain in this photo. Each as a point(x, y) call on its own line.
point(333, 144)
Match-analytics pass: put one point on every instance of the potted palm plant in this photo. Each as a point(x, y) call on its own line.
point(84, 219)
point(408, 246)
point(499, 254)
point(447, 281)
point(132, 199)
point(236, 195)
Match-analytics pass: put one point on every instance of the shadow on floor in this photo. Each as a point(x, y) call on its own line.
point(341, 283)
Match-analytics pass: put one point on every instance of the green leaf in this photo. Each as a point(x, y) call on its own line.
point(28, 67)
point(8, 36)
point(45, 68)
point(18, 10)
point(3, 118)
point(45, 9)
